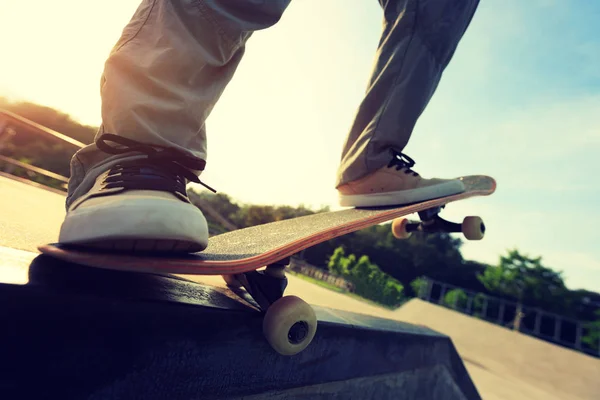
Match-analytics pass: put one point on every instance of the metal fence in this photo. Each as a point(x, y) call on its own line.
point(532, 321)
point(302, 267)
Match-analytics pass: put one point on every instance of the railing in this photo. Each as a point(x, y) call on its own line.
point(532, 321)
point(302, 267)
point(34, 169)
point(11, 124)
point(9, 118)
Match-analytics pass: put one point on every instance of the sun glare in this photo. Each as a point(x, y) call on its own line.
point(55, 55)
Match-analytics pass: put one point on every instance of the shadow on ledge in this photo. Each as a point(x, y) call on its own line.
point(73, 332)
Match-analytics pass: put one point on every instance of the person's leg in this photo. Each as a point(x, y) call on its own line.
point(160, 83)
point(417, 43)
point(167, 71)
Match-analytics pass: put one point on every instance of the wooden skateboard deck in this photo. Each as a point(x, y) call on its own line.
point(251, 248)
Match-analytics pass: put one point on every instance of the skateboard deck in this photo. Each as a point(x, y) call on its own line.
point(289, 323)
point(248, 249)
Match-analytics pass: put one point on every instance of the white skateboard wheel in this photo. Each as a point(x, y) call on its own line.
point(473, 228)
point(399, 228)
point(289, 325)
point(232, 281)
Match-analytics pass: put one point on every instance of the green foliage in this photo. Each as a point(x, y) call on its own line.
point(592, 338)
point(368, 280)
point(478, 305)
point(335, 262)
point(527, 281)
point(30, 147)
point(456, 299)
point(435, 256)
point(52, 119)
point(348, 264)
point(418, 286)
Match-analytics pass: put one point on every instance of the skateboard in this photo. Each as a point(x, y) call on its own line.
point(289, 323)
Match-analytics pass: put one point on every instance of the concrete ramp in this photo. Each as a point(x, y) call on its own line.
point(506, 364)
point(77, 332)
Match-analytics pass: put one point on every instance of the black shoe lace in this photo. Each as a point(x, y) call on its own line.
point(165, 169)
point(402, 161)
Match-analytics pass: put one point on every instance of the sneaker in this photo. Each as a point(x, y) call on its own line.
point(394, 185)
point(138, 205)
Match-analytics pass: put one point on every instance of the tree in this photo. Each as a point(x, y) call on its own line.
point(52, 119)
point(436, 256)
point(30, 147)
point(335, 261)
point(348, 264)
point(392, 292)
point(368, 280)
point(362, 269)
point(418, 286)
point(527, 281)
point(479, 302)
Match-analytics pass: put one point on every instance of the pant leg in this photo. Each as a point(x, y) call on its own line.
point(166, 72)
point(418, 40)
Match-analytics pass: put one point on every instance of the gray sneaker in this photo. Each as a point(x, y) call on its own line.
point(138, 205)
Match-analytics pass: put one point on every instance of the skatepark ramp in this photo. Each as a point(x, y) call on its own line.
point(72, 332)
point(506, 364)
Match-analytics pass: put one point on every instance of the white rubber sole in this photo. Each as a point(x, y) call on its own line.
point(147, 224)
point(402, 197)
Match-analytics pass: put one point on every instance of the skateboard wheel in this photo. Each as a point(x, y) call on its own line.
point(399, 228)
point(473, 228)
point(289, 325)
point(232, 281)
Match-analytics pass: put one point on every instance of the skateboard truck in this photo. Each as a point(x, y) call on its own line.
point(289, 324)
point(472, 227)
point(266, 286)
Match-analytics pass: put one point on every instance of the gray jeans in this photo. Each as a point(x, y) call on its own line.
point(175, 58)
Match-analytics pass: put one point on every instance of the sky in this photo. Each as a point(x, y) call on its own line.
point(519, 101)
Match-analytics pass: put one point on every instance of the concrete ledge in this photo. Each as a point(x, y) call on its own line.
point(76, 332)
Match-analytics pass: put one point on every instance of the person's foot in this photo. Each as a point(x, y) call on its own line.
point(395, 184)
point(138, 206)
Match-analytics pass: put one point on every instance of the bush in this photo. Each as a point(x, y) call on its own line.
point(478, 302)
point(418, 285)
point(456, 299)
point(368, 280)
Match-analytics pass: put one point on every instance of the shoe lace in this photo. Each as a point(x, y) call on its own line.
point(165, 169)
point(402, 161)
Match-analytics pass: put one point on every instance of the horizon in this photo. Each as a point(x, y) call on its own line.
point(522, 90)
